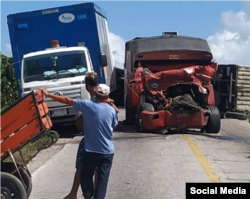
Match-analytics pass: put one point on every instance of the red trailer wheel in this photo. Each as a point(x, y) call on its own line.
point(9, 167)
point(12, 187)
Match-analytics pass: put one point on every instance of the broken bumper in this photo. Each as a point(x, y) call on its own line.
point(184, 119)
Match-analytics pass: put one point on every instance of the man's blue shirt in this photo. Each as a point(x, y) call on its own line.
point(98, 121)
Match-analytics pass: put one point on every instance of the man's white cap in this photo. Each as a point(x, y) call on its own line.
point(102, 90)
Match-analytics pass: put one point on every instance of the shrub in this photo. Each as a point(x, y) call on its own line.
point(8, 88)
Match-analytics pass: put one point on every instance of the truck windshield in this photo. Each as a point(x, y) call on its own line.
point(55, 66)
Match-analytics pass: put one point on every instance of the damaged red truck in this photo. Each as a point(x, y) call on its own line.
point(168, 84)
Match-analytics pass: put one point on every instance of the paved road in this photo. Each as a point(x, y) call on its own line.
point(149, 166)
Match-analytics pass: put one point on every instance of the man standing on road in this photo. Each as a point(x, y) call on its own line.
point(91, 81)
point(99, 120)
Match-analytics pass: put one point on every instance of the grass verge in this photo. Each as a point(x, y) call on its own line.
point(29, 150)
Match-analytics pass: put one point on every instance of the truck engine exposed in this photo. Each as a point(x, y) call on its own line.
point(168, 84)
point(175, 89)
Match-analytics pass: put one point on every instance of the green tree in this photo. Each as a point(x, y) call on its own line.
point(8, 87)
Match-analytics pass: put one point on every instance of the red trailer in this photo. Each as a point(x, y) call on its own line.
point(168, 84)
point(24, 122)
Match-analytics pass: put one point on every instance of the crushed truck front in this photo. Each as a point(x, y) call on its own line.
point(168, 84)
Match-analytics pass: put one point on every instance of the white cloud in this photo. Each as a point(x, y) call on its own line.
point(7, 50)
point(246, 6)
point(238, 21)
point(232, 45)
point(118, 49)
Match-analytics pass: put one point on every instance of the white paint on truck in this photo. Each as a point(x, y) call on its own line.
point(67, 84)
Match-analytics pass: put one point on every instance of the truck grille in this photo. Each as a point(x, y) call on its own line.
point(69, 92)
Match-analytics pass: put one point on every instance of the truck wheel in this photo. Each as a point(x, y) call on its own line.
point(240, 116)
point(139, 123)
point(213, 124)
point(9, 167)
point(12, 187)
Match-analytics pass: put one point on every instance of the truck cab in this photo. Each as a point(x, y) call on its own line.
point(168, 84)
point(82, 30)
point(60, 70)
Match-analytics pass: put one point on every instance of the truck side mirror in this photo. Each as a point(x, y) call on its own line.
point(9, 73)
point(103, 60)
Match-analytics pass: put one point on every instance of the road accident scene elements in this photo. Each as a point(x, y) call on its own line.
point(172, 85)
point(94, 106)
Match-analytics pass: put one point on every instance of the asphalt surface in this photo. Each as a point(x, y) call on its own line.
point(149, 166)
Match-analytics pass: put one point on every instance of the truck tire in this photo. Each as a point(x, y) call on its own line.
point(9, 167)
point(139, 123)
point(12, 187)
point(214, 123)
point(235, 115)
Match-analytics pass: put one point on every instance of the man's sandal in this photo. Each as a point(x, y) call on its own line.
point(67, 197)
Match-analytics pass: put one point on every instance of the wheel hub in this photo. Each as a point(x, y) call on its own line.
point(5, 193)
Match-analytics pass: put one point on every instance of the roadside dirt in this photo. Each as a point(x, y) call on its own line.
point(46, 154)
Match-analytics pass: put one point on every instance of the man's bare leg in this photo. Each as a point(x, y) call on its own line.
point(76, 184)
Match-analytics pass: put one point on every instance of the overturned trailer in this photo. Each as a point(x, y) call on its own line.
point(168, 84)
point(232, 90)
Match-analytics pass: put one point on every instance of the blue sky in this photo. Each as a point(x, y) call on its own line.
point(131, 19)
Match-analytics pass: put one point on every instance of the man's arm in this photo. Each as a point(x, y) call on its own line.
point(61, 99)
point(115, 121)
point(111, 103)
point(116, 109)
